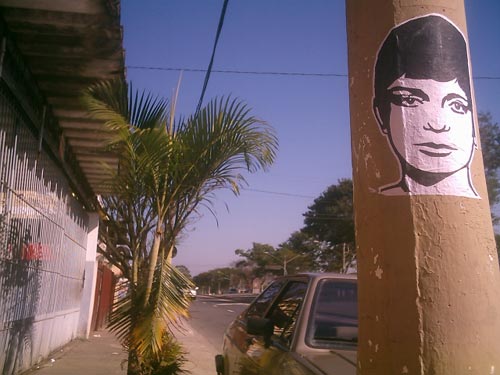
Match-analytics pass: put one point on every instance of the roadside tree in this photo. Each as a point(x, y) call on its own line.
point(490, 142)
point(328, 231)
point(301, 244)
point(330, 217)
point(167, 170)
point(215, 281)
point(257, 258)
point(185, 271)
point(264, 259)
point(497, 240)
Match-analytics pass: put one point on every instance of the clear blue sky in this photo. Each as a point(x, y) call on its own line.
point(310, 114)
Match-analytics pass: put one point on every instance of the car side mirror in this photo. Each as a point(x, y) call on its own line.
point(261, 327)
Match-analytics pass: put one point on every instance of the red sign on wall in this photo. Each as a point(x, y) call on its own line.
point(35, 251)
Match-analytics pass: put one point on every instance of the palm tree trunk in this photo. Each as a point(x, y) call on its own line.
point(170, 254)
point(153, 260)
point(135, 268)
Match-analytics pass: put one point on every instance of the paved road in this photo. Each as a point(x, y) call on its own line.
point(210, 315)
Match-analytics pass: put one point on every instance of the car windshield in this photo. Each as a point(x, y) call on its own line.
point(334, 315)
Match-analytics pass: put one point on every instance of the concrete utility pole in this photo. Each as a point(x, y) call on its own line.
point(429, 282)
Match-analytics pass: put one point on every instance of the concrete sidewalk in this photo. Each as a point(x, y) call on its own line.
point(102, 354)
point(200, 352)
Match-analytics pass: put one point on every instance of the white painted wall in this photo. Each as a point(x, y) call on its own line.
point(88, 294)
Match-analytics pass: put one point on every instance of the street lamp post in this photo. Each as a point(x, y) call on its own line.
point(285, 261)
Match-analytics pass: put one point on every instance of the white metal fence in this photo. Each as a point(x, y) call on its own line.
point(43, 236)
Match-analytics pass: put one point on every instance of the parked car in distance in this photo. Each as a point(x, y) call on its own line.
point(193, 292)
point(300, 325)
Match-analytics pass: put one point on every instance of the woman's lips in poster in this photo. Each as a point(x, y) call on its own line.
point(442, 150)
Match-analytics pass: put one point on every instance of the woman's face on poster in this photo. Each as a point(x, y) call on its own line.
point(430, 124)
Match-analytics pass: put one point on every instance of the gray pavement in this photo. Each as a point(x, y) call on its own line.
point(200, 352)
point(101, 354)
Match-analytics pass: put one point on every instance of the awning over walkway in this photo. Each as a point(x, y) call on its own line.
point(68, 45)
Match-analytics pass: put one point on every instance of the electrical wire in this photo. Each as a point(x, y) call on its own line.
point(298, 196)
point(229, 71)
point(217, 35)
point(280, 193)
point(250, 72)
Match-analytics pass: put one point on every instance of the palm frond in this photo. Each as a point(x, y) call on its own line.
point(147, 111)
point(219, 143)
point(117, 104)
point(107, 101)
point(143, 329)
point(122, 314)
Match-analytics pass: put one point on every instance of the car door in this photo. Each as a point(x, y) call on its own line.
point(237, 342)
point(267, 355)
point(284, 314)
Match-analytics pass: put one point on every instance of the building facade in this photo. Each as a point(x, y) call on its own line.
point(49, 170)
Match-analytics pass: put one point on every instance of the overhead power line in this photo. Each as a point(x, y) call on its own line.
point(230, 71)
point(486, 77)
point(217, 35)
point(280, 193)
point(269, 73)
point(290, 195)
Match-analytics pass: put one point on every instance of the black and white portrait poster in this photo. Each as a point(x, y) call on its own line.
point(423, 105)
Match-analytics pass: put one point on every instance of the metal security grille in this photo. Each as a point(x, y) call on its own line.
point(43, 235)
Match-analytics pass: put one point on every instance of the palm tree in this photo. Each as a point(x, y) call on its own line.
point(168, 169)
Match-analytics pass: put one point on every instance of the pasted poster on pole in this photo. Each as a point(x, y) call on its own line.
point(423, 104)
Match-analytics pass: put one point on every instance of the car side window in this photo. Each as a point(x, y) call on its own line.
point(334, 316)
point(285, 311)
point(262, 302)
